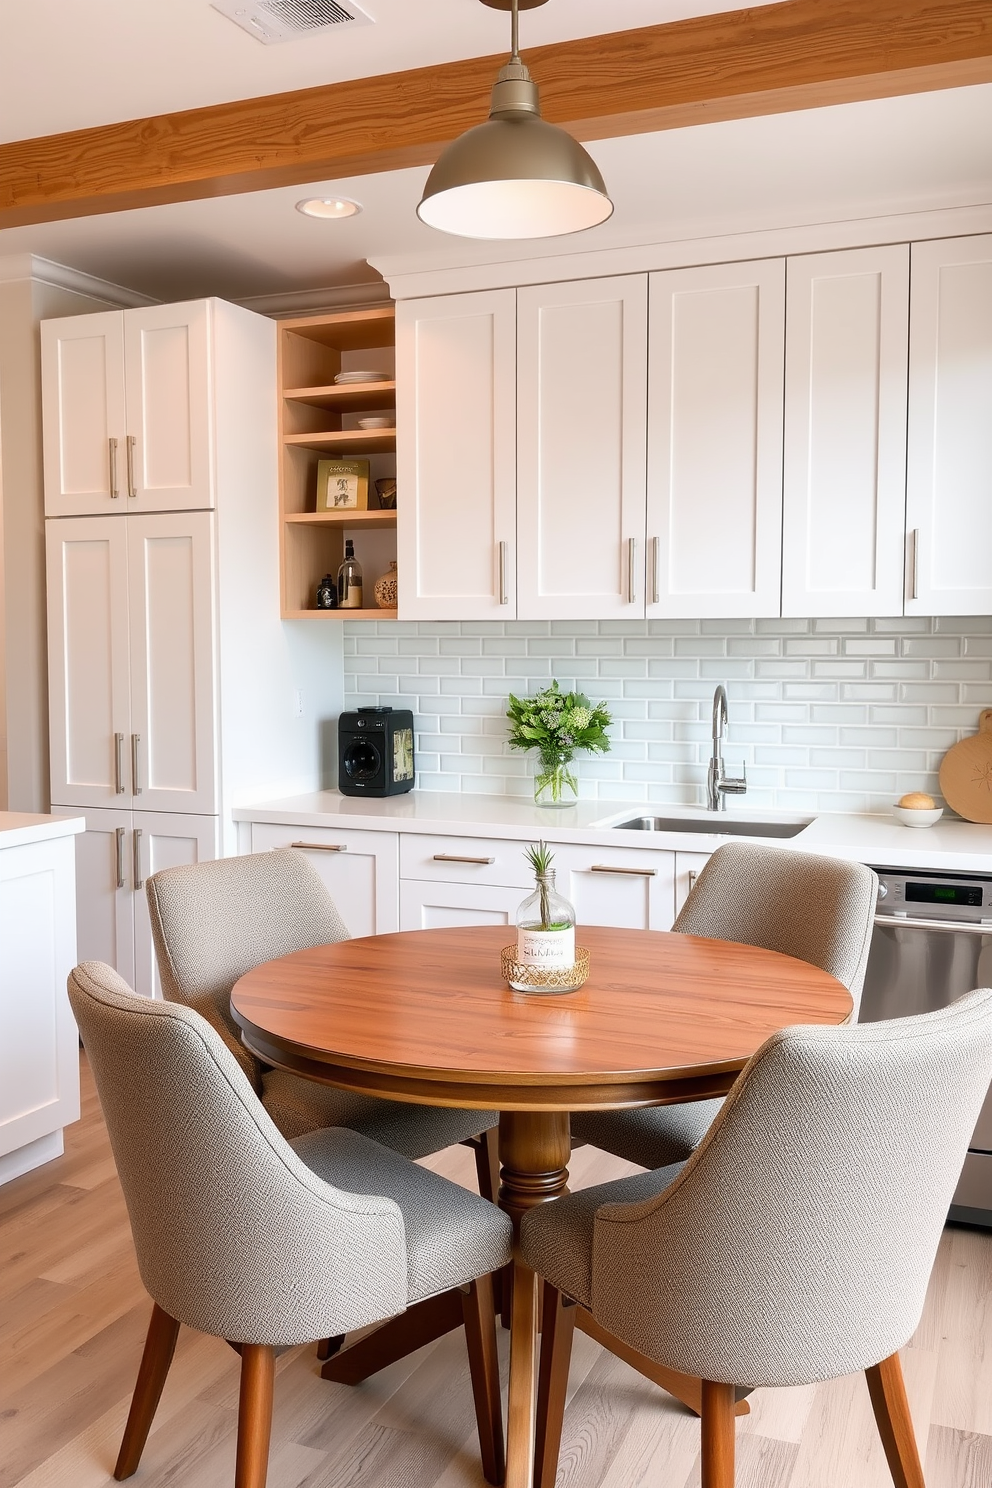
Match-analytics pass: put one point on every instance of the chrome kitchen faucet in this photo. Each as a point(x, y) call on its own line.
point(719, 785)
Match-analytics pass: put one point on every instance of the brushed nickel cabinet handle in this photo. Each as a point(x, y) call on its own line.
point(503, 596)
point(454, 858)
point(135, 782)
point(693, 875)
point(115, 489)
point(655, 570)
point(634, 872)
point(631, 555)
point(915, 577)
point(120, 857)
point(136, 858)
point(118, 764)
point(132, 489)
point(322, 846)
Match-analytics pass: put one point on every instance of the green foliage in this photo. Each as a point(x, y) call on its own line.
point(557, 723)
point(540, 857)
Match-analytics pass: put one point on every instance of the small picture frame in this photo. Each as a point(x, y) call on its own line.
point(342, 485)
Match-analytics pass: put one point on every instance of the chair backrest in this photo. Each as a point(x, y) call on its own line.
point(818, 909)
point(797, 1242)
point(234, 1234)
point(212, 922)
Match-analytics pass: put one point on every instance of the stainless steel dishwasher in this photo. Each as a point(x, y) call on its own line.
point(932, 943)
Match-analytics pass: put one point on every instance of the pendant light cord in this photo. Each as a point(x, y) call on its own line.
point(514, 32)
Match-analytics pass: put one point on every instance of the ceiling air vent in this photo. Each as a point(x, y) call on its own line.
point(271, 21)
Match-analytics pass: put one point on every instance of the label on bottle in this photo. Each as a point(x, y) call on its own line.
point(546, 947)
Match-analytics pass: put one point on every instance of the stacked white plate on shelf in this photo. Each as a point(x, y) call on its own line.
point(345, 377)
point(377, 421)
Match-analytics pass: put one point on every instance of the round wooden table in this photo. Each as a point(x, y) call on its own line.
point(424, 1016)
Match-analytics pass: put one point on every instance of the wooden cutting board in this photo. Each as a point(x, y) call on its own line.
point(966, 773)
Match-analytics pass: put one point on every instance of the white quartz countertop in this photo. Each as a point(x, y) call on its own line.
point(18, 827)
point(878, 840)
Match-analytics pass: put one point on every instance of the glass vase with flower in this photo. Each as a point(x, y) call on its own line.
point(556, 724)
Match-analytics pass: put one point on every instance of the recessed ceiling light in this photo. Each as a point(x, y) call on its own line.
point(328, 207)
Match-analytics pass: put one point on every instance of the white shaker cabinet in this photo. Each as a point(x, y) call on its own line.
point(359, 869)
point(131, 661)
point(117, 852)
point(127, 410)
point(688, 867)
point(714, 486)
point(631, 888)
point(455, 456)
point(581, 404)
point(847, 331)
point(949, 490)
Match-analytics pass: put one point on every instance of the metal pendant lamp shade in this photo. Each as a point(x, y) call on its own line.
point(514, 176)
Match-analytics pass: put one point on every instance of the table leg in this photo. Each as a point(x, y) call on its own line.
point(534, 1148)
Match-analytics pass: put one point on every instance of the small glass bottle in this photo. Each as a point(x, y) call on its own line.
point(327, 594)
point(350, 579)
point(546, 927)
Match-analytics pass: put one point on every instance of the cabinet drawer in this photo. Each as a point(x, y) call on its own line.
point(468, 860)
point(631, 888)
point(358, 869)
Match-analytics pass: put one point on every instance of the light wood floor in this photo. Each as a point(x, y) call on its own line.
point(73, 1315)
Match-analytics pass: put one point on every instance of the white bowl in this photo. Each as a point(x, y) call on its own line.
point(376, 422)
point(915, 816)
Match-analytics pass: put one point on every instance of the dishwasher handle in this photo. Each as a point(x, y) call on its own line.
point(966, 927)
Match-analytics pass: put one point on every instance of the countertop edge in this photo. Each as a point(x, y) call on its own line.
point(20, 827)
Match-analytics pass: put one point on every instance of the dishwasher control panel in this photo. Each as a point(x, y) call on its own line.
point(932, 896)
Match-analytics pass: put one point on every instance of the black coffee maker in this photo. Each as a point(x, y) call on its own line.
point(375, 752)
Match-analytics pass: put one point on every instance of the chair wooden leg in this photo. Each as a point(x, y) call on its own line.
point(552, 1382)
point(254, 1415)
point(328, 1347)
point(160, 1345)
point(718, 1402)
point(483, 1361)
point(895, 1425)
point(486, 1146)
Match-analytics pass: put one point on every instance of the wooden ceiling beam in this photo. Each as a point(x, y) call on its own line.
point(766, 59)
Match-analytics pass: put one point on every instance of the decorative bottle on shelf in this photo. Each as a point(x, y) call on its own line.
point(350, 579)
point(545, 920)
point(327, 594)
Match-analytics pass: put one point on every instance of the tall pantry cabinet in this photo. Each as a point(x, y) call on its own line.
point(175, 691)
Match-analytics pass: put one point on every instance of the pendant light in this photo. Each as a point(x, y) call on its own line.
point(514, 176)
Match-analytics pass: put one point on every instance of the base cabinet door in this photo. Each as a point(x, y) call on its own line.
point(439, 906)
point(688, 867)
point(949, 487)
point(39, 1047)
point(114, 856)
point(360, 870)
point(632, 890)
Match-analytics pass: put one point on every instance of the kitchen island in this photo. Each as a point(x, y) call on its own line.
point(39, 1045)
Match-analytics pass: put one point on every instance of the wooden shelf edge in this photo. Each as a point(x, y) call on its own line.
point(346, 441)
point(340, 392)
point(339, 614)
point(341, 519)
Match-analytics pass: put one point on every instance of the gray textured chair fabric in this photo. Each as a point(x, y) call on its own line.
point(796, 1243)
point(817, 909)
point(213, 922)
point(239, 1233)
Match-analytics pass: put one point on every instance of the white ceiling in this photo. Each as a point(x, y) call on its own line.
point(866, 159)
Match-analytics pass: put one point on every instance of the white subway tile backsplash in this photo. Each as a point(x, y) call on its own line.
point(830, 715)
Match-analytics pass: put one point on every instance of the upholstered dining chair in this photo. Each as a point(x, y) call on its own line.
point(213, 922)
point(818, 909)
point(795, 1245)
point(266, 1242)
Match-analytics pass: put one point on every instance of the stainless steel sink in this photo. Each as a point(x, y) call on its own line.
point(716, 825)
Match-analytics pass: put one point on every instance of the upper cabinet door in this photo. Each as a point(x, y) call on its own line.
point(82, 382)
point(168, 453)
point(171, 756)
point(88, 661)
point(949, 488)
point(715, 388)
point(455, 456)
point(847, 335)
point(581, 408)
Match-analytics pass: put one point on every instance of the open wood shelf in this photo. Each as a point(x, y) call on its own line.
point(313, 350)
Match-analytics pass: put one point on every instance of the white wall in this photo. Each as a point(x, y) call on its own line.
point(27, 296)
point(830, 715)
